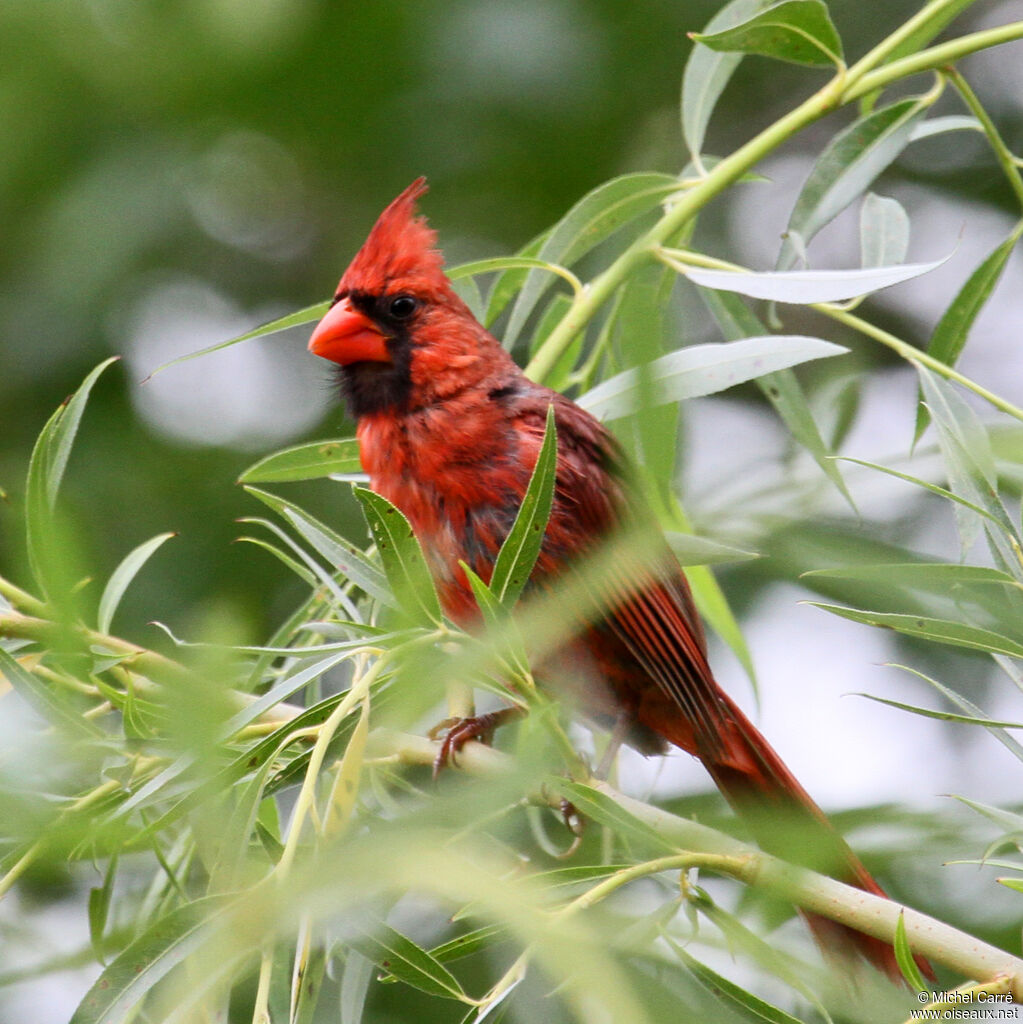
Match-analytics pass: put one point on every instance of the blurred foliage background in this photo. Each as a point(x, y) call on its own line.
point(174, 174)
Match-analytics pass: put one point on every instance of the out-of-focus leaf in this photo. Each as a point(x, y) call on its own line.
point(300, 316)
point(122, 577)
point(47, 700)
point(148, 960)
point(345, 788)
point(595, 805)
point(846, 168)
point(692, 550)
point(402, 556)
point(797, 31)
point(747, 1005)
point(99, 908)
point(1009, 820)
point(596, 216)
point(942, 716)
point(949, 337)
point(358, 973)
point(707, 72)
point(408, 962)
point(884, 231)
point(348, 559)
point(942, 631)
point(782, 388)
point(469, 292)
point(807, 286)
point(559, 377)
point(519, 551)
point(46, 471)
point(703, 370)
point(306, 462)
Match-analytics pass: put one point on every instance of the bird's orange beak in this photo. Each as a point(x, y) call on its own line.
point(346, 336)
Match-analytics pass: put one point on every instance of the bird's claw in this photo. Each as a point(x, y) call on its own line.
point(457, 732)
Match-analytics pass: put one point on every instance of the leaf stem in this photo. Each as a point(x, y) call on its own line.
point(1002, 152)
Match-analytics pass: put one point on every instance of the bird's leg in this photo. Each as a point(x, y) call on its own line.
point(459, 731)
point(618, 734)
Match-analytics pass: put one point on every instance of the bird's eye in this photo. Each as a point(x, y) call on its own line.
point(401, 307)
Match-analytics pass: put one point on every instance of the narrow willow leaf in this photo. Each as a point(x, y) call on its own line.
point(703, 370)
point(487, 266)
point(846, 168)
point(1009, 820)
point(508, 282)
point(797, 31)
point(884, 231)
point(953, 329)
point(521, 547)
point(595, 805)
point(749, 1006)
point(469, 292)
point(807, 286)
point(148, 960)
point(782, 388)
point(471, 942)
point(403, 559)
point(46, 471)
point(300, 316)
point(122, 577)
point(707, 72)
point(1016, 884)
point(559, 377)
point(942, 716)
point(344, 790)
point(941, 125)
point(47, 700)
point(973, 714)
point(408, 962)
point(692, 550)
point(293, 564)
point(929, 574)
point(596, 216)
point(942, 631)
point(99, 908)
point(904, 956)
point(346, 558)
point(306, 462)
point(355, 982)
point(969, 463)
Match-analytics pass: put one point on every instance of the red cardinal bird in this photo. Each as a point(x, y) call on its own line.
point(449, 431)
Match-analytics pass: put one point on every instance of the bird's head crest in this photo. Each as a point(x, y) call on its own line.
point(400, 250)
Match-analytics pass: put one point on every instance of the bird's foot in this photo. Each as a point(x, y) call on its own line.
point(456, 732)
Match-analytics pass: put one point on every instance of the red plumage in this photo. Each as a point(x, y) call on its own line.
point(449, 431)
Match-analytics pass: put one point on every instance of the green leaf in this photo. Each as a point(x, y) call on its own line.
point(346, 558)
point(846, 168)
point(122, 576)
point(99, 908)
point(408, 962)
point(46, 471)
point(404, 563)
point(692, 550)
point(942, 716)
point(969, 463)
point(807, 286)
point(49, 701)
point(782, 388)
point(797, 31)
point(301, 316)
point(941, 125)
point(749, 1006)
point(702, 370)
point(928, 574)
point(953, 329)
point(596, 216)
point(593, 804)
point(707, 72)
point(148, 960)
point(884, 231)
point(904, 956)
point(942, 631)
point(521, 547)
point(306, 462)
point(1016, 884)
point(469, 943)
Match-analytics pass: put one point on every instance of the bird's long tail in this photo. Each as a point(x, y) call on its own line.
point(786, 822)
